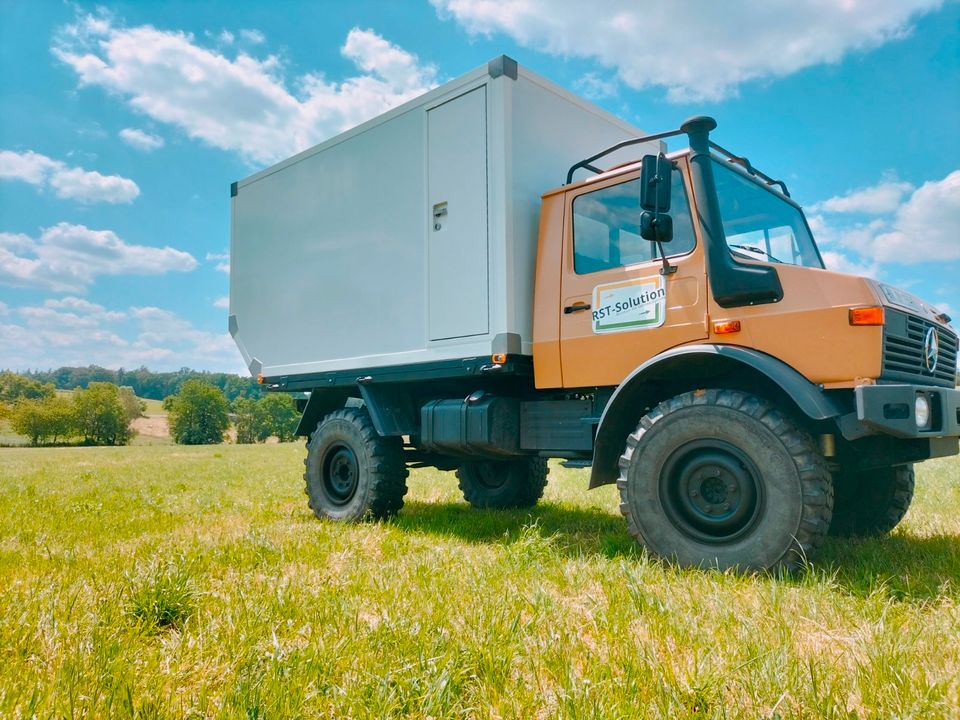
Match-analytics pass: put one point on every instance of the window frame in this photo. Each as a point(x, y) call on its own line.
point(620, 180)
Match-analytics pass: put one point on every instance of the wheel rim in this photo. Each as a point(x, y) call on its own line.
point(492, 475)
point(341, 474)
point(711, 491)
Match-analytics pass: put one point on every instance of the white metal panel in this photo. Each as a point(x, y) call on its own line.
point(328, 254)
point(457, 203)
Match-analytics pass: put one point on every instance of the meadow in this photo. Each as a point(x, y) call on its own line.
point(157, 581)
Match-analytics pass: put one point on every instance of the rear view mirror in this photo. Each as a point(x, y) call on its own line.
point(656, 227)
point(655, 183)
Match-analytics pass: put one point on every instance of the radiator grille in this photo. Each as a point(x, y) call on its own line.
point(903, 351)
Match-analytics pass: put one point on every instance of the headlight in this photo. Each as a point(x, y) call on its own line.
point(921, 411)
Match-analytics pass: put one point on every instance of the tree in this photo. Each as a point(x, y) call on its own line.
point(44, 419)
point(100, 416)
point(248, 420)
point(198, 414)
point(274, 414)
point(133, 407)
point(281, 415)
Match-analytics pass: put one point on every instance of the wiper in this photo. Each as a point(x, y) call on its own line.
point(758, 251)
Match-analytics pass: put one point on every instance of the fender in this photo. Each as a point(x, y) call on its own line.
point(687, 367)
point(322, 402)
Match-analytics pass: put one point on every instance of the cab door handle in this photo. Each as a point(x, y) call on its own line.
point(579, 307)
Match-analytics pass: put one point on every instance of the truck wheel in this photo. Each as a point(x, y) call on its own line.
point(720, 478)
point(351, 472)
point(870, 503)
point(503, 484)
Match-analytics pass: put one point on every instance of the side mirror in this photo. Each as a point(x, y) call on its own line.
point(655, 183)
point(656, 227)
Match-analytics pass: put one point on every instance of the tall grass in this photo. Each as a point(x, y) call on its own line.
point(169, 582)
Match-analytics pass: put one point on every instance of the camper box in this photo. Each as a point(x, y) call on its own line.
point(411, 238)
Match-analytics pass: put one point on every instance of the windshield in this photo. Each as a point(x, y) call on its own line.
point(761, 225)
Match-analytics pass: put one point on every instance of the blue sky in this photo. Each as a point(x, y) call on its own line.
point(122, 126)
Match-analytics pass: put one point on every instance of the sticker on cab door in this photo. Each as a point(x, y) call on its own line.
point(629, 305)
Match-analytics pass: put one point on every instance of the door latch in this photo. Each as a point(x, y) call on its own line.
point(439, 211)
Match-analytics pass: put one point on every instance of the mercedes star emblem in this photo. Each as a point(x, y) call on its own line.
point(931, 349)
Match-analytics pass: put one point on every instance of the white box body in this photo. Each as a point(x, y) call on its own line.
point(411, 238)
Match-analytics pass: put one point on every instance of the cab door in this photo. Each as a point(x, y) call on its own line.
point(617, 309)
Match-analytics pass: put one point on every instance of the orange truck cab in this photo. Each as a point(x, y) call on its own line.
point(683, 338)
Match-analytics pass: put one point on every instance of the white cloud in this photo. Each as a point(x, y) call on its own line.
point(222, 302)
point(594, 87)
point(73, 331)
point(141, 139)
point(884, 197)
point(926, 227)
point(712, 47)
point(222, 261)
point(923, 227)
point(67, 182)
point(254, 37)
point(241, 104)
point(840, 262)
point(67, 258)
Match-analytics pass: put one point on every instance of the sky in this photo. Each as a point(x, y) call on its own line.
point(123, 124)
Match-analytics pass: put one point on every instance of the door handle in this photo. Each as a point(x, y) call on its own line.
point(579, 307)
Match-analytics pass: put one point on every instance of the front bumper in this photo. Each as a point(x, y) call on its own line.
point(889, 410)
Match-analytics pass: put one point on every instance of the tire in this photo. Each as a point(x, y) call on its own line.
point(870, 503)
point(720, 478)
point(503, 484)
point(351, 472)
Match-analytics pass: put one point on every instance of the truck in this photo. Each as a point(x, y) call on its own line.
point(498, 272)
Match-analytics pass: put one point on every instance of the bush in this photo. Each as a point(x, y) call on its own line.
point(44, 420)
point(100, 416)
point(197, 415)
point(274, 414)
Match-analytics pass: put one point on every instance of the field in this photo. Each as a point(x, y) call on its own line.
point(157, 581)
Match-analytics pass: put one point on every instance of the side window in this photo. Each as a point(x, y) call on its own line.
point(606, 227)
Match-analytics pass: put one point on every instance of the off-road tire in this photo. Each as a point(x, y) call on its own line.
point(503, 483)
point(870, 503)
point(352, 473)
point(721, 478)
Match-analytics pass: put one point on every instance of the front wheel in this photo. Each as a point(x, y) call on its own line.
point(503, 483)
point(870, 503)
point(720, 478)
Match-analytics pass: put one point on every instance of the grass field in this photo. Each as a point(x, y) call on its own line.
point(171, 582)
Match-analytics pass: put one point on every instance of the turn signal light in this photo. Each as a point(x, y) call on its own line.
point(866, 316)
point(727, 326)
point(499, 358)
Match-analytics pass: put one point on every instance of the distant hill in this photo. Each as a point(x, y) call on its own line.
point(145, 383)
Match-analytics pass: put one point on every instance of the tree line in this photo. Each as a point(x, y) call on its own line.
point(102, 413)
point(145, 383)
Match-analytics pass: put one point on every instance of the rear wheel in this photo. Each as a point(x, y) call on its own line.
point(352, 472)
point(503, 483)
point(870, 503)
point(721, 478)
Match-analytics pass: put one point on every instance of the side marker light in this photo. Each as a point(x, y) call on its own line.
point(726, 326)
point(866, 316)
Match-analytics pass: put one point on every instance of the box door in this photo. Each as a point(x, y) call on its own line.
point(457, 230)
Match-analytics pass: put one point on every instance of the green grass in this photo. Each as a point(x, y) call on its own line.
point(172, 582)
